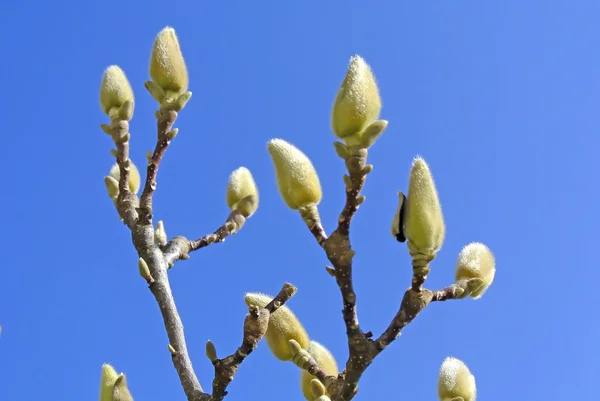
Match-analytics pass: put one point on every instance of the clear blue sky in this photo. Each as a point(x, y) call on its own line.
point(501, 98)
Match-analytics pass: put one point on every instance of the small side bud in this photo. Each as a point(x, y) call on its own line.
point(424, 223)
point(357, 104)
point(372, 133)
point(172, 350)
point(477, 264)
point(144, 270)
point(325, 360)
point(318, 389)
point(455, 380)
point(134, 176)
point(115, 90)
point(155, 91)
point(341, 150)
point(242, 194)
point(107, 129)
point(126, 111)
point(172, 134)
point(211, 351)
point(182, 100)
point(160, 234)
point(107, 383)
point(283, 327)
point(167, 66)
point(121, 390)
point(112, 187)
point(297, 179)
point(398, 221)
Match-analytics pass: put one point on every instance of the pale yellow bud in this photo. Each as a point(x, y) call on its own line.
point(160, 234)
point(297, 179)
point(456, 380)
point(242, 194)
point(357, 104)
point(424, 223)
point(115, 89)
point(134, 176)
point(325, 360)
point(107, 383)
point(167, 66)
point(476, 261)
point(283, 327)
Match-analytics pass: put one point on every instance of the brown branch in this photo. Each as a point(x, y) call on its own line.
point(255, 327)
point(180, 247)
point(127, 202)
point(165, 119)
point(310, 215)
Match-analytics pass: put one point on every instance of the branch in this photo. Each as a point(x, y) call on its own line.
point(127, 202)
point(255, 327)
point(180, 247)
point(165, 119)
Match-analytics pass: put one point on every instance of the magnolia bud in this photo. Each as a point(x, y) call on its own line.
point(167, 66)
point(357, 104)
point(455, 380)
point(107, 383)
point(160, 234)
point(134, 176)
point(297, 179)
point(424, 223)
point(283, 327)
point(325, 360)
point(242, 194)
point(115, 89)
point(476, 261)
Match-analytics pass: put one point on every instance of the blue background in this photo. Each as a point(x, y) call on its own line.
point(501, 99)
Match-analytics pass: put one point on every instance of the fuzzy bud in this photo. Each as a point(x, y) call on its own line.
point(167, 66)
point(424, 223)
point(112, 187)
point(160, 234)
point(455, 380)
point(476, 261)
point(283, 327)
point(107, 383)
point(325, 360)
point(357, 104)
point(242, 195)
point(134, 176)
point(297, 179)
point(115, 90)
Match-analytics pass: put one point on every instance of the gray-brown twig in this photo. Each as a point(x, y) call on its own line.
point(255, 327)
point(180, 247)
point(165, 119)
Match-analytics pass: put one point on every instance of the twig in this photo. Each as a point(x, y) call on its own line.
point(180, 247)
point(255, 327)
point(127, 202)
point(165, 121)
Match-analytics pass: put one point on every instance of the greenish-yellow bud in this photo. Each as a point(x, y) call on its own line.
point(115, 90)
point(242, 195)
point(297, 179)
point(455, 380)
point(283, 327)
point(318, 389)
point(357, 104)
point(424, 223)
point(325, 360)
point(107, 383)
point(134, 176)
point(160, 234)
point(167, 66)
point(476, 261)
point(112, 187)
